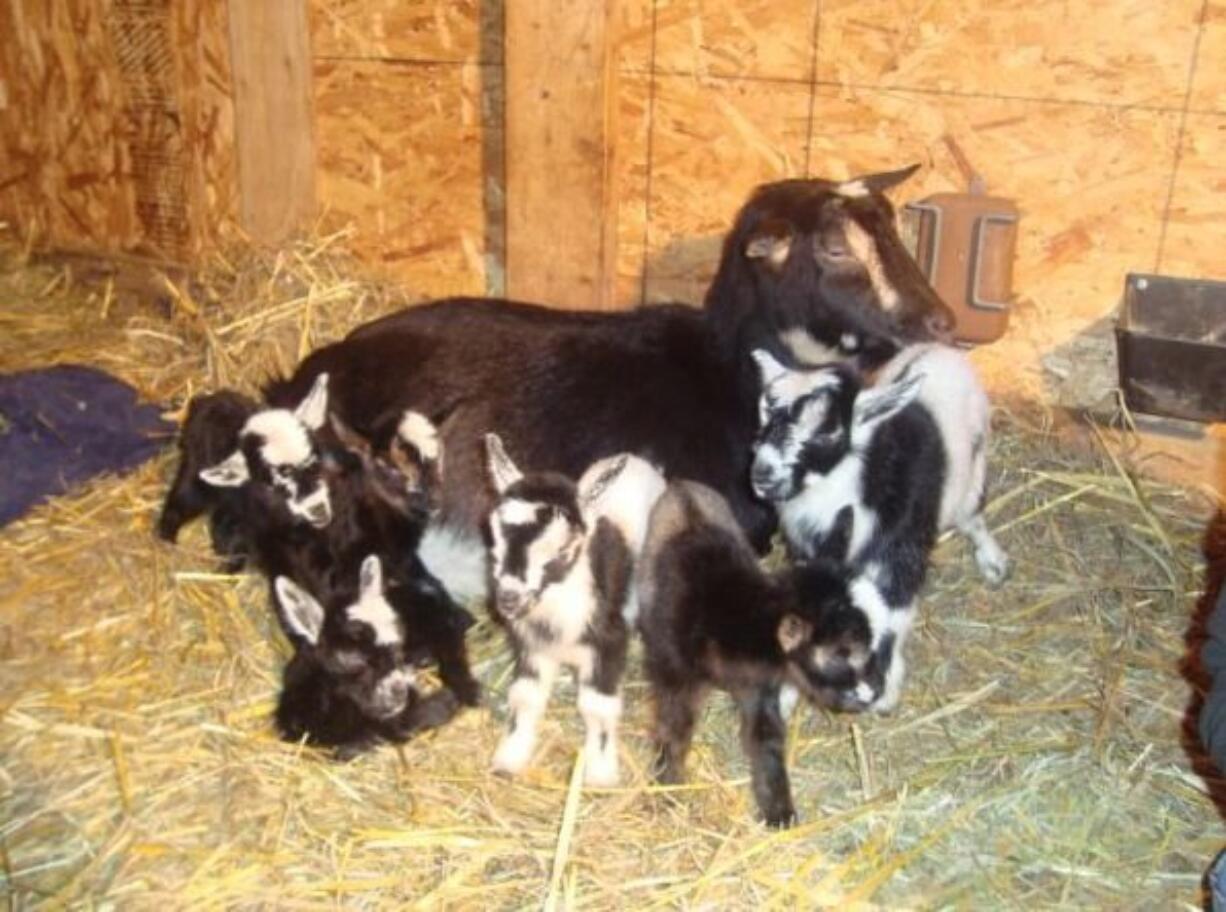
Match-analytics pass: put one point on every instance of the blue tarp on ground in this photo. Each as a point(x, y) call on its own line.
point(62, 425)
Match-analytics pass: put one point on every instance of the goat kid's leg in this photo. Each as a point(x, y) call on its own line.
point(764, 738)
point(896, 663)
point(601, 711)
point(455, 673)
point(990, 557)
point(527, 698)
point(676, 714)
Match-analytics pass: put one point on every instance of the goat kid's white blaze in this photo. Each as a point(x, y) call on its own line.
point(286, 440)
point(548, 544)
point(372, 608)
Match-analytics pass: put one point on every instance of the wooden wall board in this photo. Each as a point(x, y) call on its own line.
point(1111, 51)
point(270, 58)
point(461, 31)
point(1091, 184)
point(206, 102)
point(1209, 81)
point(1195, 242)
point(64, 162)
point(630, 174)
point(765, 39)
point(713, 141)
point(399, 150)
point(561, 108)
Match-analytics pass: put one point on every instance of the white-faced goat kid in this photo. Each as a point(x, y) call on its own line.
point(711, 617)
point(871, 475)
point(352, 680)
point(562, 556)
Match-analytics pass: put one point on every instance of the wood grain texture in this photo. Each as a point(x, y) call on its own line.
point(400, 153)
point(1113, 51)
point(713, 142)
point(271, 61)
point(560, 110)
point(1209, 82)
point(460, 31)
point(1196, 231)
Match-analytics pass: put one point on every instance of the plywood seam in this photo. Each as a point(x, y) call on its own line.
point(406, 61)
point(651, 128)
point(1123, 107)
point(1179, 135)
point(816, 36)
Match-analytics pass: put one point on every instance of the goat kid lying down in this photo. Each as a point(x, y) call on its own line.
point(871, 475)
point(352, 681)
point(711, 617)
point(562, 559)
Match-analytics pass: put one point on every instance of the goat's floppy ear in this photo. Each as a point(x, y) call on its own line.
point(302, 615)
point(793, 632)
point(770, 241)
point(594, 489)
point(313, 410)
point(769, 369)
point(502, 470)
point(877, 404)
point(885, 180)
point(231, 472)
point(370, 577)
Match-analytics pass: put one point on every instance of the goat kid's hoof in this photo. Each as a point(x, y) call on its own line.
point(780, 819)
point(994, 568)
point(601, 774)
point(510, 760)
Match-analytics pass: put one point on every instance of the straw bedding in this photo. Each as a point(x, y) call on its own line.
point(1040, 756)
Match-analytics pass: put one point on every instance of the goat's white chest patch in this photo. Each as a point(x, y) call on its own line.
point(815, 510)
point(285, 439)
point(373, 609)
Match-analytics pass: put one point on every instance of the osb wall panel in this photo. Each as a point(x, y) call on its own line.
point(712, 142)
point(64, 163)
point(1089, 182)
point(1209, 81)
point(1117, 51)
point(115, 123)
point(1195, 243)
point(399, 152)
point(766, 39)
point(630, 185)
point(423, 30)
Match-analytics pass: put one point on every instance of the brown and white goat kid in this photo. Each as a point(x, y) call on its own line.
point(562, 562)
point(871, 475)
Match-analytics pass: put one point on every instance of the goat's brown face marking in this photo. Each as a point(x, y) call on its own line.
point(864, 248)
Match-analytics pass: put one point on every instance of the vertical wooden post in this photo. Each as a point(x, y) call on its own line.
point(271, 58)
point(560, 106)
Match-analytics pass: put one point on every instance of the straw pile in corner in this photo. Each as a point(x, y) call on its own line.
point(1040, 756)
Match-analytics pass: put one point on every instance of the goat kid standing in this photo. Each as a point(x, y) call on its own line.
point(871, 475)
point(562, 560)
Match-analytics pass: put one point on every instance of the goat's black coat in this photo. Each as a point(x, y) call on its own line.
point(672, 384)
point(210, 434)
point(713, 620)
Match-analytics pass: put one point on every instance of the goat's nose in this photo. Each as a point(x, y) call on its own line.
point(319, 514)
point(510, 604)
point(763, 481)
point(940, 324)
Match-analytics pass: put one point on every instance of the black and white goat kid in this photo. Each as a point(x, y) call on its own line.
point(871, 475)
point(352, 681)
point(562, 558)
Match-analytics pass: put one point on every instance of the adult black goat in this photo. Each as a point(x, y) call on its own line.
point(812, 269)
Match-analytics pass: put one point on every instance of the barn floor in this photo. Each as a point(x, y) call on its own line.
point(1041, 757)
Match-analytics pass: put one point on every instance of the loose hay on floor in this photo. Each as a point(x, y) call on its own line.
point(1039, 757)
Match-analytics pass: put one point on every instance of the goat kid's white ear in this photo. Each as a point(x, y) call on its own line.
point(770, 369)
point(370, 577)
point(793, 632)
point(302, 615)
point(313, 410)
point(231, 472)
point(878, 404)
point(502, 470)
